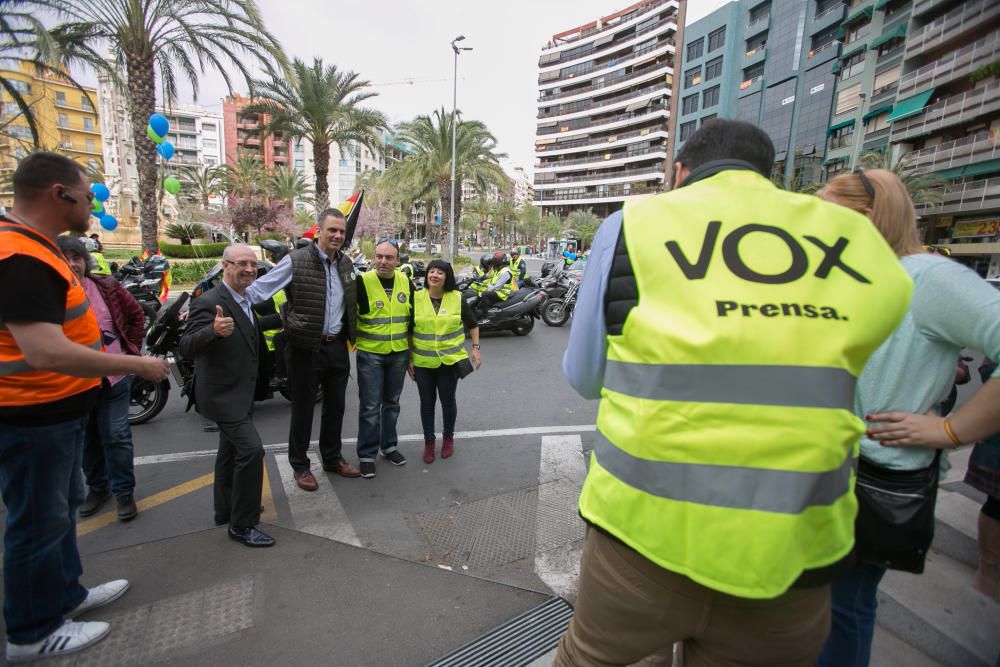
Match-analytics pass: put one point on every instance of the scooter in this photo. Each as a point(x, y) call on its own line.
point(517, 314)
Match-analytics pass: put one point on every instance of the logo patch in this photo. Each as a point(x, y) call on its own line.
point(379, 304)
point(401, 297)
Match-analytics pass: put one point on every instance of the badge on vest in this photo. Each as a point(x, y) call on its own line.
point(401, 297)
point(379, 304)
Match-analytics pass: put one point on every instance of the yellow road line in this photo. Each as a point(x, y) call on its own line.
point(269, 513)
point(102, 520)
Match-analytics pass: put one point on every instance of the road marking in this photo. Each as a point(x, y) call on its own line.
point(102, 520)
point(562, 466)
point(281, 447)
point(316, 512)
point(270, 513)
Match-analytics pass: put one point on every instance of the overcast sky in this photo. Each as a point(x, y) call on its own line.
point(393, 41)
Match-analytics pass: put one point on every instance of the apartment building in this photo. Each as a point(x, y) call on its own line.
point(244, 134)
point(66, 119)
point(604, 107)
point(196, 134)
point(947, 120)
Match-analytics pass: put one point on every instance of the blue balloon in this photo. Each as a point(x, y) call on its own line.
point(160, 124)
point(101, 192)
point(98, 214)
point(109, 222)
point(166, 149)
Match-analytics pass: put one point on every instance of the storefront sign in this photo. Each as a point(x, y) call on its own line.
point(974, 228)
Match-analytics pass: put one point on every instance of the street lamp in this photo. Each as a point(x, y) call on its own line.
point(860, 138)
point(454, 135)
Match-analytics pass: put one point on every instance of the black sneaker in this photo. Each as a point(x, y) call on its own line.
point(126, 508)
point(395, 457)
point(94, 502)
point(367, 469)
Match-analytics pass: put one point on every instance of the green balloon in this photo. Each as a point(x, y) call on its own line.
point(97, 208)
point(171, 185)
point(151, 133)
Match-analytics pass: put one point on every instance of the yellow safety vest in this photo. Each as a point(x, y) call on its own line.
point(504, 291)
point(484, 280)
point(279, 298)
point(515, 272)
point(103, 268)
point(725, 437)
point(384, 328)
point(438, 338)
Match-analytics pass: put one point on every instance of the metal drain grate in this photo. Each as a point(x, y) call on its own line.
point(518, 641)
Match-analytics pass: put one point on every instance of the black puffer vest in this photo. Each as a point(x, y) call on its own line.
point(306, 307)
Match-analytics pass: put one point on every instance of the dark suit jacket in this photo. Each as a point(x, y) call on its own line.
point(229, 372)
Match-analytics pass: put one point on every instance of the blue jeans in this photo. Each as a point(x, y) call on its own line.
point(855, 601)
point(42, 489)
point(380, 382)
point(107, 448)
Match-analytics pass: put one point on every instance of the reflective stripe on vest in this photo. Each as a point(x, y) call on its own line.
point(384, 328)
point(503, 291)
point(20, 384)
point(725, 429)
point(438, 337)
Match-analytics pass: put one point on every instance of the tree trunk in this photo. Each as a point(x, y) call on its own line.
point(142, 104)
point(444, 192)
point(321, 161)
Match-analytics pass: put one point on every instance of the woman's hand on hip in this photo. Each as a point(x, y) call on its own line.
point(906, 429)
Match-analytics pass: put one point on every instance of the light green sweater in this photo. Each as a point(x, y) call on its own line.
point(952, 308)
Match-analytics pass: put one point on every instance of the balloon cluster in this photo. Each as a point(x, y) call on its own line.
point(157, 130)
point(101, 194)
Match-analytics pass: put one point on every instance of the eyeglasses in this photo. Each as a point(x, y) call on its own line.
point(243, 263)
point(869, 188)
point(386, 239)
point(941, 250)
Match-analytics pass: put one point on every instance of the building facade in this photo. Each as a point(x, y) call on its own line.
point(66, 119)
point(196, 134)
point(604, 107)
point(244, 134)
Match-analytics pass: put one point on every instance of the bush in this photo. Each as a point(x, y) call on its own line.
point(190, 272)
point(185, 232)
point(192, 251)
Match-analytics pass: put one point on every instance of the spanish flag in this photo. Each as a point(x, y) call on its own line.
point(167, 279)
point(351, 208)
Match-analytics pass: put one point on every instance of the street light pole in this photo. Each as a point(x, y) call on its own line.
point(859, 138)
point(454, 138)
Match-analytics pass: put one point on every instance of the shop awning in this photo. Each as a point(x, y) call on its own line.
point(836, 66)
point(833, 128)
point(980, 168)
point(876, 112)
point(635, 106)
point(882, 3)
point(950, 174)
point(911, 106)
point(864, 12)
point(898, 31)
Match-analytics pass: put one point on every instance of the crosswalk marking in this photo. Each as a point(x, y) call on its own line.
point(316, 512)
point(562, 466)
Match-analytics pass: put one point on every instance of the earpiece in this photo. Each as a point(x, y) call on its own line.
point(66, 197)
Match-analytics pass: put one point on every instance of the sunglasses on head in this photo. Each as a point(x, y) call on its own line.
point(386, 239)
point(867, 184)
point(940, 250)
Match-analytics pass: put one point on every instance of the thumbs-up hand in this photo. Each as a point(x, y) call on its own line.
point(223, 326)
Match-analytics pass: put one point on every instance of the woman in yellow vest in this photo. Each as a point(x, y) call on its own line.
point(952, 308)
point(440, 318)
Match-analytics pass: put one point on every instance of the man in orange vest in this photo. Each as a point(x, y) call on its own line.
point(51, 365)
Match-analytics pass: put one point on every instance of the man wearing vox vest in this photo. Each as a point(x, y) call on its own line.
point(722, 325)
point(51, 364)
point(385, 304)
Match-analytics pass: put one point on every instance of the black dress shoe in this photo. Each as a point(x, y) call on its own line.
point(251, 537)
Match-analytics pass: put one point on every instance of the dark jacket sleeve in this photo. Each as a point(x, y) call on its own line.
point(362, 296)
point(126, 313)
point(468, 317)
point(199, 333)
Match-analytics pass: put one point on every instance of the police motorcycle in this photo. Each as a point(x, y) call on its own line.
point(517, 314)
point(142, 278)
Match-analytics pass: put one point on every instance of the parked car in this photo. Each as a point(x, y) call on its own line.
point(418, 246)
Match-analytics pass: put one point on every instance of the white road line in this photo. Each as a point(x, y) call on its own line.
point(316, 512)
point(560, 476)
point(464, 435)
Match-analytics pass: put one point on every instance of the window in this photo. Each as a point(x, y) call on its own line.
point(713, 69)
point(857, 31)
point(696, 48)
point(890, 46)
point(756, 44)
point(692, 77)
point(208, 127)
point(838, 167)
point(842, 137)
point(876, 123)
point(710, 97)
point(823, 6)
point(689, 104)
point(91, 146)
point(61, 98)
point(687, 129)
point(85, 103)
point(346, 163)
point(11, 109)
point(707, 118)
point(63, 120)
point(885, 80)
point(88, 124)
point(847, 99)
point(717, 39)
point(20, 86)
point(19, 131)
point(300, 164)
point(852, 66)
point(92, 164)
point(211, 144)
point(759, 13)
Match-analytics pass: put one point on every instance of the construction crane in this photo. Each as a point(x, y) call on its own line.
point(405, 82)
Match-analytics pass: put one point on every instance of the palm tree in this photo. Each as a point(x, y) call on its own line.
point(428, 168)
point(505, 212)
point(287, 185)
point(530, 218)
point(165, 39)
point(201, 184)
point(245, 177)
point(925, 187)
point(322, 104)
point(584, 224)
point(482, 209)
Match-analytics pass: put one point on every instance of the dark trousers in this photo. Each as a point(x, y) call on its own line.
point(328, 367)
point(239, 474)
point(432, 383)
point(107, 448)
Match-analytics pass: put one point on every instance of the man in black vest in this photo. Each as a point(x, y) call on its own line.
point(320, 319)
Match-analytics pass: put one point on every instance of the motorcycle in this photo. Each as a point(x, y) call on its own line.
point(556, 312)
point(142, 279)
point(517, 314)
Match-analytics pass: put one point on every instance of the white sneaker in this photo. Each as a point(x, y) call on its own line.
point(100, 596)
point(68, 638)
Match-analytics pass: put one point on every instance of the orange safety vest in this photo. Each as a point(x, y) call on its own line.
point(19, 383)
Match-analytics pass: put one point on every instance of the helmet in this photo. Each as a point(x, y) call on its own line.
point(404, 258)
point(515, 251)
point(89, 244)
point(484, 261)
point(303, 242)
point(500, 259)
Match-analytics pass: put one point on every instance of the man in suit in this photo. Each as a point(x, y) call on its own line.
point(226, 341)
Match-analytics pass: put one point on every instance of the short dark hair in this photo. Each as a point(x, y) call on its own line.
point(727, 139)
point(72, 245)
point(43, 169)
point(335, 212)
point(449, 273)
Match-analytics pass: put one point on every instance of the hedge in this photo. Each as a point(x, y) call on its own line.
point(190, 272)
point(192, 251)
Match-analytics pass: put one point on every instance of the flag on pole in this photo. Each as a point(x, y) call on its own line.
point(351, 208)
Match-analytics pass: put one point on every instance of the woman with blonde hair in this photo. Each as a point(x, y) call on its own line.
point(899, 389)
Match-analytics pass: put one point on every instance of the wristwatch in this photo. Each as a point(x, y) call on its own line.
point(475, 346)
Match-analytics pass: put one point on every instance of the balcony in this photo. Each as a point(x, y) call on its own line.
point(757, 26)
point(895, 52)
point(949, 28)
point(953, 154)
point(831, 17)
point(951, 111)
point(601, 50)
point(751, 85)
point(656, 69)
point(598, 143)
point(921, 7)
point(884, 94)
point(612, 64)
point(951, 66)
point(972, 197)
point(613, 24)
point(608, 159)
point(754, 56)
point(588, 104)
point(608, 177)
point(608, 194)
point(822, 54)
point(571, 128)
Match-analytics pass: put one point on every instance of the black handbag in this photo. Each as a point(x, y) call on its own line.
point(895, 524)
point(462, 368)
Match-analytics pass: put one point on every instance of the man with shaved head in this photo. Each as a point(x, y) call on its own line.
point(226, 341)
